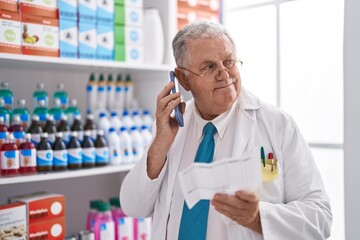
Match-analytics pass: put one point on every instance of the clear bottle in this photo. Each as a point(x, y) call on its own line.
point(129, 92)
point(50, 128)
point(78, 127)
point(4, 112)
point(23, 112)
point(101, 93)
point(60, 161)
point(35, 130)
point(110, 93)
point(119, 94)
point(41, 110)
point(72, 111)
point(62, 95)
point(91, 94)
point(124, 225)
point(90, 221)
point(104, 227)
point(17, 129)
point(89, 152)
point(40, 94)
point(44, 155)
point(126, 146)
point(114, 147)
point(56, 111)
point(137, 142)
point(7, 95)
point(102, 156)
point(74, 152)
point(90, 126)
point(9, 157)
point(3, 131)
point(27, 156)
point(64, 127)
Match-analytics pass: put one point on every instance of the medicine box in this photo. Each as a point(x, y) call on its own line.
point(10, 33)
point(52, 229)
point(68, 9)
point(44, 8)
point(13, 223)
point(87, 40)
point(105, 42)
point(129, 16)
point(68, 36)
point(105, 11)
point(128, 35)
point(42, 206)
point(129, 53)
point(9, 5)
point(87, 11)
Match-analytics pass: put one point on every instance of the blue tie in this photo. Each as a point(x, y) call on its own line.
point(194, 221)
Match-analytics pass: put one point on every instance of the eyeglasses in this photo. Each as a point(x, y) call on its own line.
point(212, 69)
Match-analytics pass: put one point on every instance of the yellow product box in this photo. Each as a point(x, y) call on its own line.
point(9, 5)
point(44, 8)
point(40, 36)
point(52, 229)
point(13, 221)
point(42, 206)
point(10, 33)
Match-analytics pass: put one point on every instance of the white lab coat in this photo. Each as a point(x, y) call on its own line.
point(293, 206)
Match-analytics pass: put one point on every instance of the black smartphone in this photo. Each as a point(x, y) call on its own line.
point(178, 114)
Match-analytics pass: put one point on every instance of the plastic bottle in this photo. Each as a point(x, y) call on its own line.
point(50, 128)
point(115, 121)
point(129, 92)
point(23, 112)
point(142, 228)
point(4, 112)
point(110, 93)
point(137, 119)
point(27, 156)
point(102, 157)
point(64, 127)
point(74, 152)
point(138, 143)
point(90, 221)
point(147, 136)
point(126, 147)
point(89, 152)
point(35, 130)
point(7, 95)
point(124, 225)
point(127, 120)
point(44, 155)
point(90, 126)
point(56, 111)
point(17, 129)
point(101, 93)
point(119, 94)
point(60, 161)
point(3, 131)
point(62, 95)
point(147, 119)
point(41, 111)
point(91, 94)
point(114, 147)
point(72, 111)
point(78, 127)
point(9, 157)
point(40, 94)
point(104, 227)
point(104, 123)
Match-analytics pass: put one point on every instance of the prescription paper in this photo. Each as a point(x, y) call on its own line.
point(203, 180)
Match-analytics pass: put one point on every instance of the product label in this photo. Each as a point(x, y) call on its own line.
point(75, 155)
point(125, 228)
point(10, 159)
point(18, 135)
point(107, 231)
point(60, 158)
point(102, 155)
point(88, 155)
point(10, 33)
point(35, 139)
point(2, 135)
point(28, 157)
point(89, 88)
point(44, 157)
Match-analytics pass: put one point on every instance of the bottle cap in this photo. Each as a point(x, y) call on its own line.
point(60, 86)
point(115, 201)
point(16, 118)
point(100, 132)
point(64, 117)
point(35, 118)
point(112, 129)
point(103, 207)
point(44, 135)
point(133, 128)
point(74, 134)
point(94, 204)
point(21, 102)
point(59, 134)
point(2, 120)
point(122, 129)
point(87, 133)
point(90, 116)
point(114, 114)
point(28, 136)
point(73, 102)
point(40, 86)
point(49, 117)
point(77, 117)
point(10, 136)
point(102, 114)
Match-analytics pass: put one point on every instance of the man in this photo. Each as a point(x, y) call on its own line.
point(292, 205)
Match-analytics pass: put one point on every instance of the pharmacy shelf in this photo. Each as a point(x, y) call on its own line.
point(65, 174)
point(25, 61)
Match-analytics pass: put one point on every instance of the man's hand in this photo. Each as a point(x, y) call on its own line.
point(242, 208)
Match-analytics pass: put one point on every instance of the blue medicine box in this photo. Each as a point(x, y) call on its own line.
point(68, 37)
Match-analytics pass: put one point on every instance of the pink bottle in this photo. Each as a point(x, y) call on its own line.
point(104, 227)
point(90, 222)
point(124, 225)
point(142, 228)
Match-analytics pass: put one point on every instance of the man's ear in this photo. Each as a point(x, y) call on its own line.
point(183, 80)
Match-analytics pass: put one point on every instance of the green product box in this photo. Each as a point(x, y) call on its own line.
point(119, 34)
point(120, 52)
point(119, 2)
point(119, 14)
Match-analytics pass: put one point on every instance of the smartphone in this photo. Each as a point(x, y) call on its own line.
point(178, 114)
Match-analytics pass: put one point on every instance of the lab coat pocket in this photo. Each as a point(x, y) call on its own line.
point(269, 165)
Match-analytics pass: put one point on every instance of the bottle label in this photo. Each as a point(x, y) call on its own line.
point(28, 157)
point(102, 155)
point(118, 89)
point(42, 117)
point(107, 231)
point(19, 135)
point(10, 159)
point(125, 228)
point(74, 155)
point(101, 89)
point(2, 135)
point(24, 117)
point(89, 88)
point(64, 100)
point(57, 117)
point(88, 155)
point(60, 158)
point(35, 139)
point(66, 137)
point(115, 156)
point(44, 157)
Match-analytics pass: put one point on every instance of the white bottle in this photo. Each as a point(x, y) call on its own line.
point(147, 136)
point(115, 121)
point(126, 146)
point(137, 119)
point(127, 120)
point(129, 92)
point(101, 93)
point(119, 94)
point(110, 93)
point(114, 147)
point(147, 119)
point(138, 143)
point(104, 123)
point(91, 94)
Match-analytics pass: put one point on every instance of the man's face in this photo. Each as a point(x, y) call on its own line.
point(217, 90)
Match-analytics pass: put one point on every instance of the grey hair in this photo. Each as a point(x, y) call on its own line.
point(196, 30)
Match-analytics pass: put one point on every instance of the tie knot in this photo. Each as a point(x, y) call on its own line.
point(209, 128)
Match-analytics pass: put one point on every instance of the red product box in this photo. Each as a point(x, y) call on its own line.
point(10, 32)
point(42, 206)
point(9, 5)
point(43, 8)
point(53, 229)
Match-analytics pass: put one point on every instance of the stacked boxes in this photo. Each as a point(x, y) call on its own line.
point(129, 31)
point(10, 33)
point(87, 29)
point(13, 221)
point(105, 29)
point(68, 34)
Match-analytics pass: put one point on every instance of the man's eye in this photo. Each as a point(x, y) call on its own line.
point(209, 67)
point(228, 62)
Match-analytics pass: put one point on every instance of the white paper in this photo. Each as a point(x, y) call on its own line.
point(203, 180)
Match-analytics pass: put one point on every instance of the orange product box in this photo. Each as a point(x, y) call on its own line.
point(13, 221)
point(10, 33)
point(202, 5)
point(40, 36)
point(44, 8)
point(9, 5)
point(53, 229)
point(42, 206)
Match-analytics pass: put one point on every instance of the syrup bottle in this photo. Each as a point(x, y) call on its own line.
point(9, 157)
point(27, 156)
point(102, 156)
point(60, 161)
point(50, 128)
point(17, 129)
point(44, 154)
point(64, 127)
point(35, 130)
point(74, 152)
point(90, 126)
point(88, 157)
